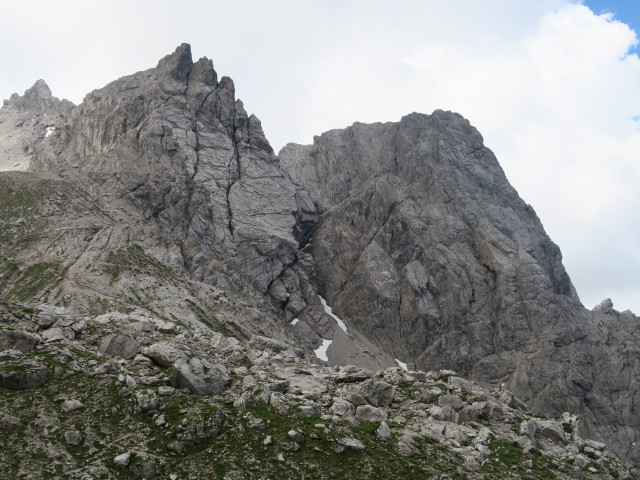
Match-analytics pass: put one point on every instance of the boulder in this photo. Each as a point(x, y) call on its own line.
point(368, 413)
point(119, 345)
point(352, 444)
point(552, 430)
point(163, 354)
point(342, 407)
point(377, 393)
point(296, 436)
point(18, 340)
point(199, 376)
point(72, 405)
point(57, 334)
point(73, 437)
point(352, 374)
point(123, 459)
point(23, 375)
point(452, 401)
point(405, 446)
point(383, 433)
point(528, 428)
point(11, 355)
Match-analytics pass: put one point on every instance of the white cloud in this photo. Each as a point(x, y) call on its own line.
point(548, 83)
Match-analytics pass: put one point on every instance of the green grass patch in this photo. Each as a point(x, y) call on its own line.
point(33, 281)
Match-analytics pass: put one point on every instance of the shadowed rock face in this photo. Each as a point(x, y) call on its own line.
point(410, 230)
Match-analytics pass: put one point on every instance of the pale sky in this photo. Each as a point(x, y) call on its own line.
point(553, 87)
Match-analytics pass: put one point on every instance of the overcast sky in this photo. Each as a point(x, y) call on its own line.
point(553, 87)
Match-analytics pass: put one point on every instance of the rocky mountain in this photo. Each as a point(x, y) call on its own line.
point(156, 216)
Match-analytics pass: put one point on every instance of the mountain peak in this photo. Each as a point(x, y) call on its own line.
point(177, 64)
point(36, 97)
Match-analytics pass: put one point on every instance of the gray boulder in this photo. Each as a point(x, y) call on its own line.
point(552, 430)
point(199, 376)
point(377, 393)
point(72, 405)
point(164, 354)
point(23, 375)
point(73, 437)
point(119, 345)
point(367, 413)
point(352, 444)
point(18, 340)
point(383, 433)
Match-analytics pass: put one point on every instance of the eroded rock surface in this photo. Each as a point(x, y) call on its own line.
point(158, 207)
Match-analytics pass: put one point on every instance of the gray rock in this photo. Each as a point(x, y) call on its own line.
point(368, 413)
point(57, 334)
point(377, 393)
point(581, 462)
point(147, 403)
point(383, 433)
point(342, 407)
point(11, 355)
point(73, 437)
point(123, 459)
point(352, 374)
point(203, 430)
point(165, 391)
point(352, 444)
point(452, 401)
point(308, 411)
point(529, 429)
point(176, 447)
point(296, 436)
point(23, 375)
point(552, 430)
point(164, 354)
point(405, 446)
point(72, 405)
point(18, 340)
point(199, 376)
point(119, 345)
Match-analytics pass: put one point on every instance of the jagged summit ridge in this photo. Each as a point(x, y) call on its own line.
point(26, 121)
point(159, 190)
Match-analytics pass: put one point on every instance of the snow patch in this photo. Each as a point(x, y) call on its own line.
point(294, 321)
point(402, 364)
point(321, 351)
point(329, 311)
point(50, 130)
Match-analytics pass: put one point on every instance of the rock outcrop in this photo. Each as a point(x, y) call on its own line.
point(26, 122)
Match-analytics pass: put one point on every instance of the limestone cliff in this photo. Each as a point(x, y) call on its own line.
point(425, 248)
point(161, 192)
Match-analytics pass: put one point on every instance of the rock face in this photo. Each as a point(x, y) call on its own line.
point(424, 247)
point(160, 194)
point(26, 122)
